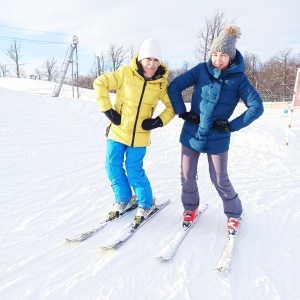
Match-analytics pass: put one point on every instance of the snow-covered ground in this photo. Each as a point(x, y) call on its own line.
point(45, 88)
point(53, 185)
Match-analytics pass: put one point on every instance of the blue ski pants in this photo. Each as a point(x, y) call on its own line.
point(217, 164)
point(133, 176)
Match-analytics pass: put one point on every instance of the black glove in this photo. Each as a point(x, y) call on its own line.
point(149, 124)
point(222, 126)
point(113, 116)
point(190, 117)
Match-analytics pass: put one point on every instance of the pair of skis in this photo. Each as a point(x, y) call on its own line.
point(170, 248)
point(223, 264)
point(121, 237)
point(80, 237)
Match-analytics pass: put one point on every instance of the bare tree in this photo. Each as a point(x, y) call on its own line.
point(38, 74)
point(253, 67)
point(277, 76)
point(2, 70)
point(14, 53)
point(213, 27)
point(49, 69)
point(100, 64)
point(117, 54)
point(131, 51)
point(286, 72)
point(187, 93)
point(86, 81)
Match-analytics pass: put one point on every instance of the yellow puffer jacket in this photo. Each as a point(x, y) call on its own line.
point(136, 100)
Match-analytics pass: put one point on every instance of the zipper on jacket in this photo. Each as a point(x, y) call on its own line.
point(138, 112)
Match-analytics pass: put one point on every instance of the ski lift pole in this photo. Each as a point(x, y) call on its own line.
point(65, 67)
point(77, 88)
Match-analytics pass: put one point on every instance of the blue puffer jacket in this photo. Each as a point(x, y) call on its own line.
point(215, 96)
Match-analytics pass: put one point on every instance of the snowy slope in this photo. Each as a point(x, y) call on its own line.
point(53, 185)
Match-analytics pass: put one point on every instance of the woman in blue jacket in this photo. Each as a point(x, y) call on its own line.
point(219, 84)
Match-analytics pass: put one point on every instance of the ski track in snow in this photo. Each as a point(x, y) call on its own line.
point(53, 185)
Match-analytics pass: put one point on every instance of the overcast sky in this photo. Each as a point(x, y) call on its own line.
point(267, 26)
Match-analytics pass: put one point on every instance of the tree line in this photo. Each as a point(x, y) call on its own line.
point(274, 79)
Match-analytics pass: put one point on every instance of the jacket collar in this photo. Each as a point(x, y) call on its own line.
point(161, 73)
point(237, 66)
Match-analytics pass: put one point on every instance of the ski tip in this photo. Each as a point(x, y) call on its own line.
point(222, 269)
point(162, 257)
point(72, 241)
point(108, 248)
point(202, 208)
point(163, 204)
point(166, 202)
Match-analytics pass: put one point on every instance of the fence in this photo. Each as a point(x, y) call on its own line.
point(276, 98)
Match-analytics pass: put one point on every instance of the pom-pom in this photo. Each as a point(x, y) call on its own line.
point(233, 30)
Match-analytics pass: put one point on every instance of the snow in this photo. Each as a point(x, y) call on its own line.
point(53, 185)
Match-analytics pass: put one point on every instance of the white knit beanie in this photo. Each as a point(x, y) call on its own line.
point(150, 48)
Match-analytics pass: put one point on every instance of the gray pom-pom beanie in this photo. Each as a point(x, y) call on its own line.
point(226, 41)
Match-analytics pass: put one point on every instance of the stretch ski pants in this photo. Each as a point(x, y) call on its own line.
point(218, 173)
point(133, 175)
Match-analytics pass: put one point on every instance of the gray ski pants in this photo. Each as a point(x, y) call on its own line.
point(218, 173)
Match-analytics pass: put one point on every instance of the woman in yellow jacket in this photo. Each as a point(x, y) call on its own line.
point(139, 86)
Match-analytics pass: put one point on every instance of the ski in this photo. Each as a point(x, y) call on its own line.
point(223, 265)
point(128, 231)
point(171, 247)
point(224, 262)
point(80, 237)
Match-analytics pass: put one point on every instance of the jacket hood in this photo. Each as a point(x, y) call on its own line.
point(237, 66)
point(134, 66)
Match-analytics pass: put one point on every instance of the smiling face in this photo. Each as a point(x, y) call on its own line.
point(150, 66)
point(220, 60)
